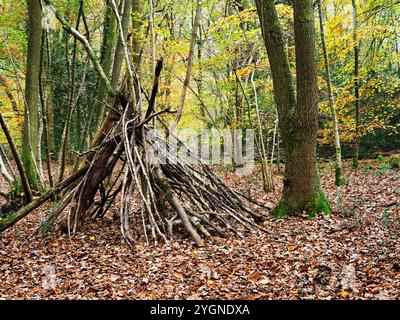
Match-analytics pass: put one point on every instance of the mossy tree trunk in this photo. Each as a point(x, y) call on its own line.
point(32, 101)
point(298, 118)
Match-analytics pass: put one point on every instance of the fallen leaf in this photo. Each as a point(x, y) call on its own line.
point(255, 276)
point(114, 277)
point(154, 296)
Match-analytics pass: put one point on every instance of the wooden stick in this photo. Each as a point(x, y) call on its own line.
point(24, 211)
point(21, 171)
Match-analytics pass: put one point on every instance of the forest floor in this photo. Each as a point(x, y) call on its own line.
point(352, 253)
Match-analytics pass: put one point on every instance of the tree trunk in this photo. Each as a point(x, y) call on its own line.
point(106, 58)
point(196, 25)
point(44, 101)
point(32, 91)
point(152, 37)
point(265, 169)
point(4, 172)
point(338, 151)
point(356, 86)
point(119, 50)
point(67, 127)
point(136, 26)
point(9, 94)
point(18, 162)
point(297, 121)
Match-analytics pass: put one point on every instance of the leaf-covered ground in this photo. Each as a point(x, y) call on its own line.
point(352, 253)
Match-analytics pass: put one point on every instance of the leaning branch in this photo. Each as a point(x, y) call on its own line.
point(24, 211)
point(21, 171)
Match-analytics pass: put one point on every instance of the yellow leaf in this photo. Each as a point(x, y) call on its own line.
point(92, 238)
point(210, 282)
point(344, 294)
point(154, 296)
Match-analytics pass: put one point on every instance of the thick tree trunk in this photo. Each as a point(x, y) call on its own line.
point(298, 121)
point(32, 91)
point(338, 151)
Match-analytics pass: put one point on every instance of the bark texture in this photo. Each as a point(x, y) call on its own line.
point(32, 91)
point(297, 116)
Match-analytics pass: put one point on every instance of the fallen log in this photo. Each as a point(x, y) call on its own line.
point(13, 218)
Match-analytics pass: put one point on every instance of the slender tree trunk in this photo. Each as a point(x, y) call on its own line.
point(397, 46)
point(119, 50)
point(21, 171)
point(356, 86)
point(71, 106)
point(9, 94)
point(39, 136)
point(152, 37)
point(169, 67)
point(106, 58)
point(4, 172)
point(136, 26)
point(265, 169)
point(44, 101)
point(196, 25)
point(200, 64)
point(297, 120)
point(338, 150)
point(30, 130)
